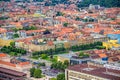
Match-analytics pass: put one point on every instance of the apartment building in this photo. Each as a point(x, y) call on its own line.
point(90, 72)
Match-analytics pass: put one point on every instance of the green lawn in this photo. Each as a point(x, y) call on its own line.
point(47, 59)
point(53, 79)
point(52, 60)
point(83, 50)
point(35, 57)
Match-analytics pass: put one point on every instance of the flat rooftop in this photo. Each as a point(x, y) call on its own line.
point(96, 71)
point(12, 72)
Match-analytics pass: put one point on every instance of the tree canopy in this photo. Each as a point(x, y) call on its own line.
point(61, 76)
point(105, 3)
point(32, 72)
point(65, 24)
point(37, 73)
point(11, 50)
point(59, 65)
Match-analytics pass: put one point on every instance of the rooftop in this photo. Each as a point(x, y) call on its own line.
point(9, 71)
point(7, 63)
point(3, 55)
point(96, 71)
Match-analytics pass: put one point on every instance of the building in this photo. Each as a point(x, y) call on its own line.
point(114, 36)
point(111, 44)
point(8, 74)
point(76, 60)
point(16, 64)
point(5, 42)
point(64, 57)
point(89, 72)
point(4, 57)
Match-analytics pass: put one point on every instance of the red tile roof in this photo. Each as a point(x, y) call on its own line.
point(50, 43)
point(102, 55)
point(3, 55)
point(24, 63)
point(2, 30)
point(7, 63)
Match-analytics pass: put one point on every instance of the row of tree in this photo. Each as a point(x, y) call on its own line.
point(86, 3)
point(50, 51)
point(96, 45)
point(25, 28)
point(105, 3)
point(83, 55)
point(83, 3)
point(85, 20)
point(13, 51)
point(55, 2)
point(3, 18)
point(59, 65)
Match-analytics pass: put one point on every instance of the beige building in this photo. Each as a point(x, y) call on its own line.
point(33, 47)
point(4, 42)
point(5, 61)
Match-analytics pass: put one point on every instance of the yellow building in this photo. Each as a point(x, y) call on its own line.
point(5, 42)
point(64, 57)
point(67, 44)
point(111, 43)
point(38, 15)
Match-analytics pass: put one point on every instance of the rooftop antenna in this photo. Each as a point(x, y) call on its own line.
point(106, 70)
point(88, 65)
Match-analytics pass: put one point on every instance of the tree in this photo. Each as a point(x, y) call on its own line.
point(100, 47)
point(46, 32)
point(13, 53)
point(85, 20)
point(41, 64)
point(15, 29)
point(91, 20)
point(37, 73)
point(53, 79)
point(16, 35)
point(65, 24)
point(82, 54)
point(78, 19)
point(61, 76)
point(105, 3)
point(32, 72)
point(59, 65)
point(40, 0)
point(59, 14)
point(12, 44)
point(66, 62)
point(44, 56)
point(35, 53)
point(30, 28)
point(33, 28)
point(12, 50)
point(6, 0)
